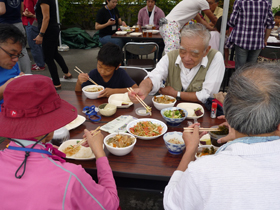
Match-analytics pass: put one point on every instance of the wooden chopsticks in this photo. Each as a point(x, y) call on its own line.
point(79, 71)
point(149, 109)
point(84, 140)
point(201, 129)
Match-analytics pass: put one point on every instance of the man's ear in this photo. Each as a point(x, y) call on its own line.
point(118, 67)
point(206, 51)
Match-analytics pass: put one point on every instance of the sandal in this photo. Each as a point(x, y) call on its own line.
point(67, 77)
point(58, 87)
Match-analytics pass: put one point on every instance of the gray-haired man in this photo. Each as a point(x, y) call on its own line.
point(192, 73)
point(244, 173)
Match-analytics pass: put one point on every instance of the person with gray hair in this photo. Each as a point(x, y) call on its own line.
point(192, 73)
point(244, 173)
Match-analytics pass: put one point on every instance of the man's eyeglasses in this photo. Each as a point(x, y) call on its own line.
point(12, 55)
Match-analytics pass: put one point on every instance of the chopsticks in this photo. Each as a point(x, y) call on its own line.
point(149, 109)
point(79, 71)
point(84, 140)
point(201, 129)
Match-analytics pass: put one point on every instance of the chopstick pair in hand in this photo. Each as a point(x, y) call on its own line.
point(201, 129)
point(149, 109)
point(79, 71)
point(94, 133)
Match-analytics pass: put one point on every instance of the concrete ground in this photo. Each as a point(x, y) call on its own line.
point(130, 199)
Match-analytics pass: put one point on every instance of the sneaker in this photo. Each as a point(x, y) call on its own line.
point(37, 68)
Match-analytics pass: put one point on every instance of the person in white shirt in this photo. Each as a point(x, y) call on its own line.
point(192, 73)
point(244, 173)
point(181, 14)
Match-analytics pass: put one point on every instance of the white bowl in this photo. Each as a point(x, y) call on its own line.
point(158, 122)
point(160, 106)
point(149, 26)
point(119, 151)
point(155, 31)
point(174, 149)
point(123, 28)
point(173, 121)
point(92, 95)
point(107, 109)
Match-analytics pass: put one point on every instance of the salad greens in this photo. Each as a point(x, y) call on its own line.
point(174, 113)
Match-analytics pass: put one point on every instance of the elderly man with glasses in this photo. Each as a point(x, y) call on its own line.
point(11, 42)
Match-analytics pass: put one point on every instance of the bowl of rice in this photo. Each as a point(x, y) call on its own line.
point(120, 144)
point(174, 142)
point(92, 91)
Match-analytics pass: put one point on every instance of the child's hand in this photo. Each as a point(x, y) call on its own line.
point(83, 77)
point(106, 92)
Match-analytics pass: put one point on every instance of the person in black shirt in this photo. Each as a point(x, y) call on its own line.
point(48, 37)
point(108, 21)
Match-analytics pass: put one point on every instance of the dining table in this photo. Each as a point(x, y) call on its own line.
point(130, 37)
point(149, 165)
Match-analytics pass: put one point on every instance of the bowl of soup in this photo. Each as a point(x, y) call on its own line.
point(120, 144)
point(163, 101)
point(92, 91)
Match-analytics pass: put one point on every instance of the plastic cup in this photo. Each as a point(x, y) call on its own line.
point(150, 33)
point(144, 33)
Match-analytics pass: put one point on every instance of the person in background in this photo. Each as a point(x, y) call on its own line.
point(108, 74)
point(31, 26)
point(34, 171)
point(192, 73)
point(108, 21)
point(277, 19)
point(150, 14)
point(252, 22)
point(11, 42)
point(217, 11)
point(181, 14)
point(10, 13)
point(243, 173)
point(48, 37)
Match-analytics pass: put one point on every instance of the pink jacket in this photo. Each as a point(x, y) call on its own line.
point(49, 184)
point(143, 17)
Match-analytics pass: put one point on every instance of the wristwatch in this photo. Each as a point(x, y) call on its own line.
point(41, 34)
point(178, 95)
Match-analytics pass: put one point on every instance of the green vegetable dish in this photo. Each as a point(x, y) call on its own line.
point(174, 114)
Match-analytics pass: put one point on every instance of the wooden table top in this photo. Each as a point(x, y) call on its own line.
point(149, 159)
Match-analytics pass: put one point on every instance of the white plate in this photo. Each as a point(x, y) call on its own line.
point(67, 143)
point(136, 34)
point(118, 99)
point(75, 123)
point(274, 34)
point(155, 31)
point(121, 32)
point(22, 75)
point(190, 107)
point(133, 123)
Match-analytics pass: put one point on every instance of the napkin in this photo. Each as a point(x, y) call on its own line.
point(118, 125)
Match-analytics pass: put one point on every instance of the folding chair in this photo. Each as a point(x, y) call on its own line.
point(136, 73)
point(141, 49)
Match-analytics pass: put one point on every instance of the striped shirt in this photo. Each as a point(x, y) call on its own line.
point(249, 19)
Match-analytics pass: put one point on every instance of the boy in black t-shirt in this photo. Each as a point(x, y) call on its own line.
point(108, 74)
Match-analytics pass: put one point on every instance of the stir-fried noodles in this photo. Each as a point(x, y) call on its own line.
point(146, 128)
point(121, 141)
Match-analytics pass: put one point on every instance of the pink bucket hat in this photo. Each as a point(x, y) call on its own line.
point(33, 108)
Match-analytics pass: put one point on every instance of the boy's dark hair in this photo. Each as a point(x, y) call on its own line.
point(110, 55)
point(277, 14)
point(219, 24)
point(9, 31)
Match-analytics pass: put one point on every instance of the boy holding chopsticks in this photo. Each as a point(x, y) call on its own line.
point(108, 74)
